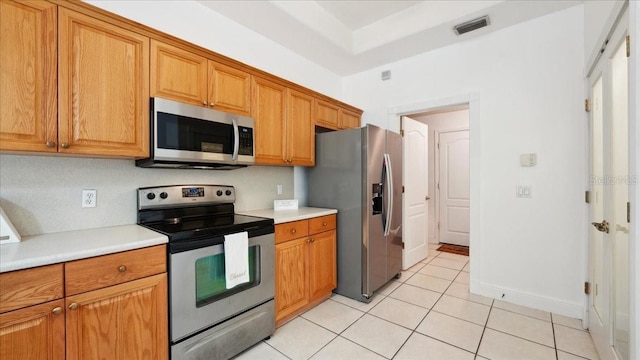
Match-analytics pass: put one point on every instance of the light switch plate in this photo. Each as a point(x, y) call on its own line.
point(528, 159)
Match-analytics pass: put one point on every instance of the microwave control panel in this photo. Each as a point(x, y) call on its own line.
point(245, 147)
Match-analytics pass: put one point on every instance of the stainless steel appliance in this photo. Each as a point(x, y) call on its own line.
point(359, 172)
point(207, 320)
point(188, 136)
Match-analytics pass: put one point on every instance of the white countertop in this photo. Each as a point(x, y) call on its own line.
point(283, 216)
point(45, 249)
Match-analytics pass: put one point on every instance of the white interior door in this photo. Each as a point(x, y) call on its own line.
point(609, 240)
point(415, 212)
point(453, 187)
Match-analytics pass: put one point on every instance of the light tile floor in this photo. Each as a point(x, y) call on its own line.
point(427, 314)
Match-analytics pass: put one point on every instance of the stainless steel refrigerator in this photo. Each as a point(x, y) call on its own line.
point(359, 172)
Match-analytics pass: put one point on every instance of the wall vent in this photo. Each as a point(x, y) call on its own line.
point(471, 25)
point(386, 75)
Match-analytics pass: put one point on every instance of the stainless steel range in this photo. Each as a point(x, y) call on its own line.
point(207, 320)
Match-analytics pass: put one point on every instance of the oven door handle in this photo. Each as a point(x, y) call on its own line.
point(236, 140)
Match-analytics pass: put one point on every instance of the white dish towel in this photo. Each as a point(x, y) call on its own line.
point(236, 259)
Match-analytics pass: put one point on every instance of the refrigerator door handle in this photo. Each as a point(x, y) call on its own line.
point(389, 190)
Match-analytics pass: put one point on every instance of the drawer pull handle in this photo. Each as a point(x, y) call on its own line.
point(57, 310)
point(122, 268)
point(324, 223)
point(293, 231)
point(73, 306)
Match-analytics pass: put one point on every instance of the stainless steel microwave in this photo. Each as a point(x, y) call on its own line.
point(188, 136)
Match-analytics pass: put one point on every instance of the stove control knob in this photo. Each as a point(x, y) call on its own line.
point(151, 196)
point(219, 192)
point(228, 192)
point(163, 195)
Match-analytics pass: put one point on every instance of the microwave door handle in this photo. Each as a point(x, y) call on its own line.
point(236, 140)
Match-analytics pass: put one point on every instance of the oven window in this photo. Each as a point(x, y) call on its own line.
point(210, 277)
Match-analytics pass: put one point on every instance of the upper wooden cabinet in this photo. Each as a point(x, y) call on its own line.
point(327, 115)
point(348, 119)
point(28, 91)
point(178, 74)
point(268, 111)
point(187, 77)
point(300, 137)
point(283, 125)
point(103, 88)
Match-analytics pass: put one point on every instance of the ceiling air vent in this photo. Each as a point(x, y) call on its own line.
point(471, 25)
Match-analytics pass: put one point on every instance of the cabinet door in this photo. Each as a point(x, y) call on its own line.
point(178, 75)
point(348, 120)
point(103, 88)
point(121, 322)
point(300, 128)
point(229, 89)
point(28, 91)
point(268, 109)
point(322, 264)
point(33, 333)
point(292, 291)
point(327, 115)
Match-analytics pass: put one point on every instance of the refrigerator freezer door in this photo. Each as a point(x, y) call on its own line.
point(374, 251)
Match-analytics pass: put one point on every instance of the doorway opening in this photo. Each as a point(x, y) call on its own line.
point(447, 174)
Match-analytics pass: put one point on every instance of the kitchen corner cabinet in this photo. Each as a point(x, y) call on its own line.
point(28, 92)
point(184, 76)
point(103, 88)
point(283, 123)
point(115, 308)
point(305, 265)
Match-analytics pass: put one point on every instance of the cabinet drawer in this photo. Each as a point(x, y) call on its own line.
point(291, 230)
point(102, 271)
point(322, 223)
point(28, 287)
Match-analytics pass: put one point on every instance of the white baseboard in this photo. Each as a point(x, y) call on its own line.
point(556, 306)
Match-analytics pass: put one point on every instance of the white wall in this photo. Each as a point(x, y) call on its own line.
point(442, 121)
point(200, 25)
point(526, 83)
point(41, 194)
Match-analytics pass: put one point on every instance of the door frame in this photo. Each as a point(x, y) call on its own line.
point(472, 100)
point(436, 167)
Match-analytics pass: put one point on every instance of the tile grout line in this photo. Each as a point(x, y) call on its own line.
point(484, 328)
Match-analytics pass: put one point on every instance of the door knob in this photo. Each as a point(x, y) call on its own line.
point(602, 226)
point(427, 198)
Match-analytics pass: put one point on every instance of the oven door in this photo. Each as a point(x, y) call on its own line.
point(193, 134)
point(198, 295)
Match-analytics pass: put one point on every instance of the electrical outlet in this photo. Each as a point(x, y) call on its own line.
point(279, 189)
point(89, 198)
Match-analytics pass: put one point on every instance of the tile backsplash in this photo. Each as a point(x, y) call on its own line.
point(42, 194)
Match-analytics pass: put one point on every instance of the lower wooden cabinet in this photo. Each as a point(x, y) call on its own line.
point(33, 333)
point(126, 321)
point(121, 313)
point(305, 265)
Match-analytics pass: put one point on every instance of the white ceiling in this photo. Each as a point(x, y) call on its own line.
point(349, 36)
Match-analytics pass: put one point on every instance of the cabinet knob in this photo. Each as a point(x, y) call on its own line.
point(64, 145)
point(212, 104)
point(324, 223)
point(293, 231)
point(73, 306)
point(50, 144)
point(204, 103)
point(312, 239)
point(57, 310)
point(122, 268)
